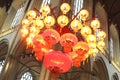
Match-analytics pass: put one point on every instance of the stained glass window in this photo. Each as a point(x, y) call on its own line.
point(1, 65)
point(26, 76)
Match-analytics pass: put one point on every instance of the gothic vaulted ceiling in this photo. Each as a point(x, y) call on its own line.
point(112, 8)
point(5, 3)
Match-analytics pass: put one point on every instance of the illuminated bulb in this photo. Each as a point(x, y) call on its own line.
point(62, 20)
point(49, 21)
point(101, 35)
point(81, 45)
point(33, 29)
point(92, 45)
point(24, 32)
point(85, 31)
point(101, 44)
point(84, 14)
point(95, 24)
point(45, 10)
point(29, 41)
point(39, 23)
point(32, 35)
point(94, 52)
point(65, 7)
point(31, 15)
point(91, 38)
point(76, 25)
point(25, 22)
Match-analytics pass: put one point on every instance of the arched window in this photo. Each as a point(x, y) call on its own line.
point(111, 48)
point(27, 76)
point(115, 77)
point(45, 2)
point(19, 15)
point(78, 4)
point(1, 64)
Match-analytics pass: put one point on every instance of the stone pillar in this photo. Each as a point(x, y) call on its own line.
point(11, 62)
point(9, 19)
point(88, 4)
point(47, 77)
point(43, 73)
point(3, 15)
point(9, 69)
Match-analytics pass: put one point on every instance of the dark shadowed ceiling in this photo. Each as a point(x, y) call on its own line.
point(5, 3)
point(112, 8)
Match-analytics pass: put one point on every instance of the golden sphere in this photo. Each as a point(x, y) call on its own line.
point(91, 38)
point(95, 24)
point(65, 7)
point(76, 25)
point(101, 44)
point(25, 22)
point(33, 29)
point(62, 20)
point(85, 31)
point(92, 45)
point(24, 32)
point(49, 21)
point(84, 14)
point(101, 35)
point(45, 10)
point(31, 14)
point(39, 23)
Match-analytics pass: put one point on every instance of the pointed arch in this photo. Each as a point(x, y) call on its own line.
point(3, 47)
point(100, 70)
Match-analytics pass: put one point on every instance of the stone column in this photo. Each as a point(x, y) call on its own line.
point(10, 68)
point(3, 15)
point(43, 73)
point(88, 4)
point(47, 77)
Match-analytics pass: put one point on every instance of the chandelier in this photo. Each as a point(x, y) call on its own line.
point(62, 42)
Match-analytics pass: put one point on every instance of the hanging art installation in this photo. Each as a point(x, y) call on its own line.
point(78, 37)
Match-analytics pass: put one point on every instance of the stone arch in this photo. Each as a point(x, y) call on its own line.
point(28, 64)
point(3, 53)
point(3, 48)
point(115, 76)
point(114, 37)
point(15, 61)
point(100, 70)
point(22, 62)
point(26, 75)
point(101, 14)
point(25, 62)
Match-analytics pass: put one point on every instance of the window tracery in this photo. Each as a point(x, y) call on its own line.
point(27, 76)
point(1, 64)
point(78, 4)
